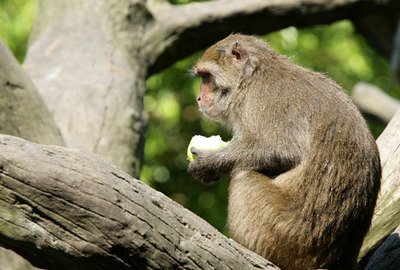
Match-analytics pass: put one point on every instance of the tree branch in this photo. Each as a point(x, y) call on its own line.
point(371, 99)
point(387, 214)
point(68, 209)
point(378, 29)
point(178, 31)
point(93, 90)
point(22, 111)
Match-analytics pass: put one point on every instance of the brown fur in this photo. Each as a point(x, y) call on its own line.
point(305, 169)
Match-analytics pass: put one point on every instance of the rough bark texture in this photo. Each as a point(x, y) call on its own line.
point(68, 209)
point(387, 214)
point(22, 111)
point(65, 208)
point(79, 60)
point(181, 30)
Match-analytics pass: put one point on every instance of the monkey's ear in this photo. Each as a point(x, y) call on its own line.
point(242, 56)
point(239, 53)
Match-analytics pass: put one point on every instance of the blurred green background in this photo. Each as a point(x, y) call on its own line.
point(170, 103)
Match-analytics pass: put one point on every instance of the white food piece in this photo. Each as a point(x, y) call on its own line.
point(204, 143)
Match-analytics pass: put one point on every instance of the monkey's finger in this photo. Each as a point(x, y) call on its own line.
point(195, 151)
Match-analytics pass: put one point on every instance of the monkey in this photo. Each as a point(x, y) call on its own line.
point(304, 168)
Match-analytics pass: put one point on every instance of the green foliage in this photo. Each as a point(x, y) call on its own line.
point(337, 51)
point(16, 18)
point(171, 99)
point(173, 120)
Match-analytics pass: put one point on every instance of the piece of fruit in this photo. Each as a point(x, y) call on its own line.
point(204, 143)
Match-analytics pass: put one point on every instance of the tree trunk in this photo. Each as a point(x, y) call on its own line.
point(84, 58)
point(22, 110)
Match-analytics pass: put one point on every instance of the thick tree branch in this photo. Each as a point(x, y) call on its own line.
point(77, 59)
point(372, 100)
point(22, 111)
point(67, 209)
point(387, 214)
point(178, 31)
point(378, 29)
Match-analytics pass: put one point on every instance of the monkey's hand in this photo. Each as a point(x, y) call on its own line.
point(208, 166)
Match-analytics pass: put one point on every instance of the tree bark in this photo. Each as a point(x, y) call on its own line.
point(22, 111)
point(67, 209)
point(387, 214)
point(178, 31)
point(85, 59)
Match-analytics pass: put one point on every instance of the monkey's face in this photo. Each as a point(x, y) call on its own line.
point(214, 97)
point(206, 95)
point(222, 68)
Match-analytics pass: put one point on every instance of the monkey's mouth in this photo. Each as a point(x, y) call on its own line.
point(206, 110)
point(202, 105)
point(206, 106)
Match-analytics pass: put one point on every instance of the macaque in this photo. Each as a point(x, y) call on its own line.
point(305, 170)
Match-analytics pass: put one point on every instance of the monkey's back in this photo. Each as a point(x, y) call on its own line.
point(316, 214)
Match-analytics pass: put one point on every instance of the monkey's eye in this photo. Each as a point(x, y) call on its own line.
point(205, 76)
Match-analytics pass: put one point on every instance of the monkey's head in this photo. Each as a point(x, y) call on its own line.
point(224, 69)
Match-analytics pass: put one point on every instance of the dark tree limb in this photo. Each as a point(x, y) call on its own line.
point(378, 29)
point(387, 256)
point(178, 31)
point(67, 209)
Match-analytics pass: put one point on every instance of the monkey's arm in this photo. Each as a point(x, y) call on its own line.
point(211, 165)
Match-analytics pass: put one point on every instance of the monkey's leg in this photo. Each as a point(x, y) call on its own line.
point(263, 216)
